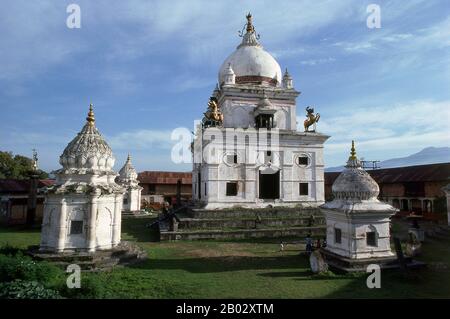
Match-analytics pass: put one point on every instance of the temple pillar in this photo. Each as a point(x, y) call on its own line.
point(62, 227)
point(91, 237)
point(117, 220)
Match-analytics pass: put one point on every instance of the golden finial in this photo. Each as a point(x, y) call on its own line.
point(90, 118)
point(353, 151)
point(129, 158)
point(250, 27)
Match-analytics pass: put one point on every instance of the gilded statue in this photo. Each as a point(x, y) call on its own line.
point(311, 119)
point(213, 113)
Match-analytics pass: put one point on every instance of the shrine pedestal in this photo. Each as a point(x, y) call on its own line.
point(340, 263)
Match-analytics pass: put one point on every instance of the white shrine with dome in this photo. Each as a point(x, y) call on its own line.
point(358, 224)
point(128, 179)
point(82, 210)
point(265, 160)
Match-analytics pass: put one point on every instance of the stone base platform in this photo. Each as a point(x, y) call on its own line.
point(126, 253)
point(243, 223)
point(340, 263)
point(135, 214)
point(244, 233)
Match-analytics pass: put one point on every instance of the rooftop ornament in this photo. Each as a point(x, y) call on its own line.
point(213, 115)
point(312, 119)
point(249, 37)
point(91, 118)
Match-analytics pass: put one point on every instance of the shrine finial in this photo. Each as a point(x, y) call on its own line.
point(250, 27)
point(248, 33)
point(91, 118)
point(353, 151)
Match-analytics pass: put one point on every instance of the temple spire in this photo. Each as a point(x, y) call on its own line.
point(353, 151)
point(249, 37)
point(91, 118)
point(250, 27)
point(353, 161)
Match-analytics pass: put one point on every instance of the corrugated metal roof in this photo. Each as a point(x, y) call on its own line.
point(419, 173)
point(159, 177)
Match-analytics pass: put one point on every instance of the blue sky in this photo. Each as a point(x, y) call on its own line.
point(150, 66)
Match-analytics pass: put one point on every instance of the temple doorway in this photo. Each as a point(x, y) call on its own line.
point(269, 185)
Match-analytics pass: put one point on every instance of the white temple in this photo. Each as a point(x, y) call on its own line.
point(82, 211)
point(128, 179)
point(357, 222)
point(253, 155)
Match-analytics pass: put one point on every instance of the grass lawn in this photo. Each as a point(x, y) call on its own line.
point(247, 269)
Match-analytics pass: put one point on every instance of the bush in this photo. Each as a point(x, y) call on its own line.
point(9, 250)
point(20, 289)
point(90, 288)
point(24, 268)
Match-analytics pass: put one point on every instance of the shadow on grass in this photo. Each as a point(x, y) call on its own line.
point(19, 229)
point(287, 274)
point(225, 263)
point(136, 229)
point(291, 240)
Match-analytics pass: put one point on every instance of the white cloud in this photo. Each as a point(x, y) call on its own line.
point(388, 131)
point(142, 139)
point(397, 37)
point(314, 62)
point(35, 37)
point(355, 47)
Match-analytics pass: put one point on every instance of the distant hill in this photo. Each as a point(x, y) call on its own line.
point(429, 155)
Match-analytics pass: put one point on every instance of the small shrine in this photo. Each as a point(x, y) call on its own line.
point(358, 224)
point(82, 210)
point(128, 179)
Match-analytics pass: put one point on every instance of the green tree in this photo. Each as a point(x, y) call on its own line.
point(18, 166)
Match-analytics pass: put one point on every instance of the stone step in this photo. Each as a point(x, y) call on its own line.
point(246, 223)
point(301, 232)
point(276, 212)
point(126, 215)
point(125, 253)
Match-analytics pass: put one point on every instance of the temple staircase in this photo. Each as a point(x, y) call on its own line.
point(189, 223)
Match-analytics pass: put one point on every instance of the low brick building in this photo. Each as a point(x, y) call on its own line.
point(159, 186)
point(14, 197)
point(412, 189)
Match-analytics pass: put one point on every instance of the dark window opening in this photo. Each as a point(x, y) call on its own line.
point(404, 204)
point(151, 188)
point(303, 188)
point(414, 189)
point(125, 200)
point(303, 160)
point(337, 235)
point(371, 239)
point(205, 190)
point(76, 227)
point(232, 159)
point(232, 189)
point(264, 121)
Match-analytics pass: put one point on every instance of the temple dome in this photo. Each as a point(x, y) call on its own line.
point(88, 150)
point(354, 182)
point(127, 173)
point(250, 62)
